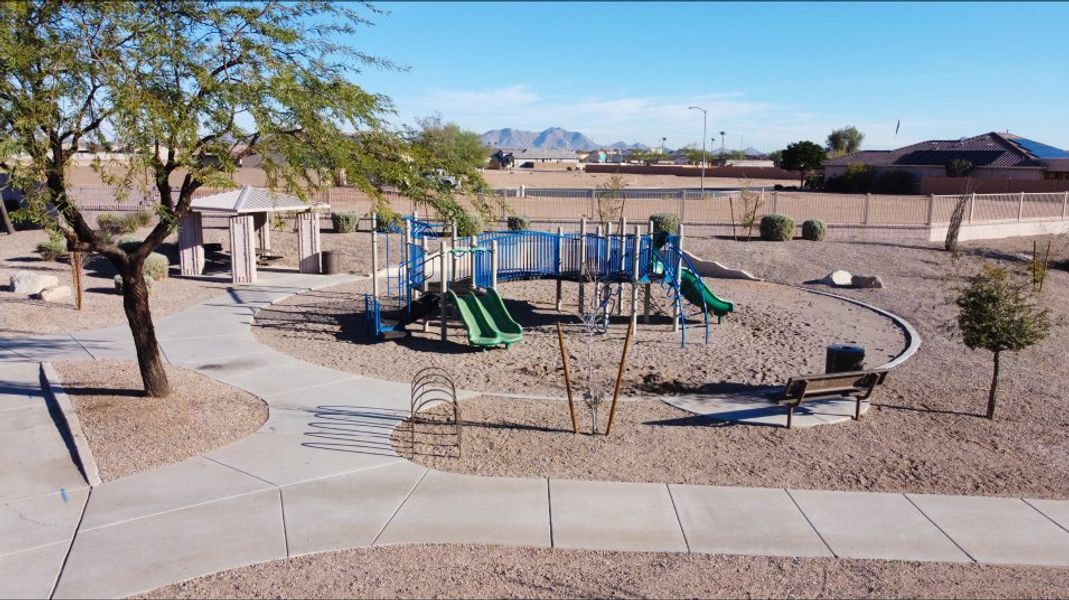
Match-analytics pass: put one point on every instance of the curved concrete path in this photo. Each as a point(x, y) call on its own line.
point(321, 475)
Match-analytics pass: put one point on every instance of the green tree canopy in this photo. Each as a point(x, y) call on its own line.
point(845, 140)
point(997, 314)
point(803, 157)
point(186, 89)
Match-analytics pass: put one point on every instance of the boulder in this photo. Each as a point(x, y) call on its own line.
point(30, 283)
point(861, 281)
point(839, 278)
point(59, 293)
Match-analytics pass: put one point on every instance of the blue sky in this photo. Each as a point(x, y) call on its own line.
point(768, 74)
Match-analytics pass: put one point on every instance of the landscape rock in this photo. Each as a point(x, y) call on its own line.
point(30, 283)
point(839, 278)
point(861, 281)
point(59, 293)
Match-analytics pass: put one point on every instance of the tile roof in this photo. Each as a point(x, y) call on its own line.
point(247, 199)
point(987, 150)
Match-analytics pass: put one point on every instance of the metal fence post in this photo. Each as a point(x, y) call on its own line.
point(972, 205)
point(1020, 208)
point(1065, 204)
point(682, 207)
point(865, 214)
point(931, 209)
point(775, 202)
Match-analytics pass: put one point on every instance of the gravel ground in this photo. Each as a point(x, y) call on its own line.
point(101, 307)
point(129, 433)
point(924, 432)
point(427, 571)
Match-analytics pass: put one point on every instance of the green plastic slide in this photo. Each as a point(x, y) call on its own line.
point(696, 292)
point(481, 327)
point(507, 328)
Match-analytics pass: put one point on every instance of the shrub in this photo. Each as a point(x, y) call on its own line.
point(54, 249)
point(666, 222)
point(109, 223)
point(519, 223)
point(388, 221)
point(814, 230)
point(128, 243)
point(777, 228)
point(344, 222)
point(156, 266)
point(468, 224)
point(895, 182)
point(149, 282)
point(141, 217)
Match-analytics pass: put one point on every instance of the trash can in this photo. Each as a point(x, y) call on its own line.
point(330, 262)
point(842, 358)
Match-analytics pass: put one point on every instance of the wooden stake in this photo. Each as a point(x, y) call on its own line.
point(567, 378)
point(619, 377)
point(76, 275)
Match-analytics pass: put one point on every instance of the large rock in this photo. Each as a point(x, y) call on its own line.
point(839, 278)
point(30, 283)
point(59, 293)
point(861, 281)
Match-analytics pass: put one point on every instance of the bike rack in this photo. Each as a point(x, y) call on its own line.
point(431, 385)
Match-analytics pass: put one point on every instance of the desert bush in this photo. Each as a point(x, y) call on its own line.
point(128, 243)
point(814, 230)
point(777, 228)
point(664, 225)
point(156, 266)
point(388, 221)
point(150, 283)
point(519, 223)
point(53, 249)
point(468, 224)
point(895, 182)
point(110, 223)
point(344, 222)
point(141, 217)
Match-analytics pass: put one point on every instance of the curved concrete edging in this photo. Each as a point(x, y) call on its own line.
point(83, 454)
point(913, 339)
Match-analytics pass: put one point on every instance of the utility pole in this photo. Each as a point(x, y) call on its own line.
point(705, 132)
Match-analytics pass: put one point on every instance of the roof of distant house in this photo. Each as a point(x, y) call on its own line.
point(987, 150)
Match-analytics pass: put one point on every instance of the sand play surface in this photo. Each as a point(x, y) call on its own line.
point(777, 331)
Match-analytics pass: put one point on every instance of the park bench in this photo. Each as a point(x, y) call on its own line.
point(857, 385)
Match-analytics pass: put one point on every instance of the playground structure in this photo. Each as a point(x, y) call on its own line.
point(464, 273)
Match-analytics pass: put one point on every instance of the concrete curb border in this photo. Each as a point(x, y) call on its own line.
point(83, 455)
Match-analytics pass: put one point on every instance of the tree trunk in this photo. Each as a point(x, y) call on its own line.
point(991, 397)
point(135, 301)
point(954, 227)
point(8, 227)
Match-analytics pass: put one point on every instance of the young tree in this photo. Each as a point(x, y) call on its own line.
point(997, 314)
point(8, 227)
point(846, 140)
point(461, 150)
point(803, 157)
point(187, 89)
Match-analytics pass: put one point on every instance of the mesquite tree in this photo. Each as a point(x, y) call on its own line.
point(183, 91)
point(997, 315)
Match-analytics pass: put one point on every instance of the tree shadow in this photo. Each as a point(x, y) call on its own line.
point(938, 411)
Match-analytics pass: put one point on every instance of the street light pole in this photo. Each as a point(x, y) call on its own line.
point(704, 133)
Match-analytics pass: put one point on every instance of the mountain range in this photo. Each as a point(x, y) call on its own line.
point(554, 138)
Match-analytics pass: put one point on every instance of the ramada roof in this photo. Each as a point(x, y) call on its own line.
point(247, 199)
point(987, 150)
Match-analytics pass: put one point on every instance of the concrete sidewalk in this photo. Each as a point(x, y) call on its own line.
point(321, 475)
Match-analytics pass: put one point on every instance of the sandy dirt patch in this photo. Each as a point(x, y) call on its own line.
point(128, 433)
point(101, 307)
point(425, 571)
